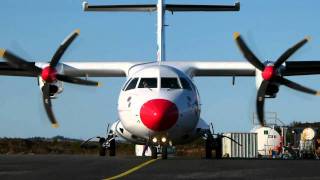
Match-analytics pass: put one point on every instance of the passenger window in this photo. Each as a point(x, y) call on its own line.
point(171, 83)
point(148, 83)
point(132, 84)
point(185, 84)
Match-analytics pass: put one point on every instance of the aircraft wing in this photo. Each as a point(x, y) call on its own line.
point(77, 69)
point(228, 68)
point(98, 69)
point(7, 70)
point(192, 68)
point(219, 69)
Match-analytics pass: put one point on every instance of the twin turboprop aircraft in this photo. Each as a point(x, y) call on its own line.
point(159, 105)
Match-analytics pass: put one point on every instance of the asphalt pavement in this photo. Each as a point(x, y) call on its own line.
point(78, 167)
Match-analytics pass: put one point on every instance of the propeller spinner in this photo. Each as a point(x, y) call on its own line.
point(271, 73)
point(48, 74)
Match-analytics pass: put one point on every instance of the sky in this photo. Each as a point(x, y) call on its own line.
point(34, 30)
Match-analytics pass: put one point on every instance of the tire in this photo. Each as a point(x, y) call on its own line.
point(154, 154)
point(112, 148)
point(164, 154)
point(208, 147)
point(102, 150)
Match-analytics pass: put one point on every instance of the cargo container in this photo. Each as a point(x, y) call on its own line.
point(248, 147)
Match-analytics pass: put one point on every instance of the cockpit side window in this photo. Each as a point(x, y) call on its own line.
point(132, 84)
point(171, 83)
point(125, 85)
point(185, 84)
point(148, 83)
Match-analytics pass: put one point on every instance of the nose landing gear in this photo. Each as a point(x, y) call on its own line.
point(163, 149)
point(159, 147)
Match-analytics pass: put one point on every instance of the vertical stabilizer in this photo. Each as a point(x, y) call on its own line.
point(161, 54)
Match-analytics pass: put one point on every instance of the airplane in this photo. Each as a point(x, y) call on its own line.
point(159, 104)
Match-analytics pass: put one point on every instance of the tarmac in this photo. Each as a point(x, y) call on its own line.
point(78, 167)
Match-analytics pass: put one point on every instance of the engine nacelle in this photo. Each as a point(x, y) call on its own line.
point(272, 91)
point(55, 88)
point(118, 129)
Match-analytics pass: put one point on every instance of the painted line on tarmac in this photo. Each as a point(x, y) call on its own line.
point(132, 170)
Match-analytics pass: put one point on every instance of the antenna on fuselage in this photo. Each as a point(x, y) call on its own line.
point(161, 8)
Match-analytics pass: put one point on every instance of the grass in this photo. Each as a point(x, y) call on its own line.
point(71, 146)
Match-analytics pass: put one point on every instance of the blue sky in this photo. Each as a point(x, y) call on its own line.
point(34, 29)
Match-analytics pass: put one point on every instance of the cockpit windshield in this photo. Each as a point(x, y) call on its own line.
point(171, 83)
point(132, 84)
point(185, 84)
point(166, 82)
point(148, 83)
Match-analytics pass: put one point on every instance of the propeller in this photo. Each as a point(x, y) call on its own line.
point(48, 74)
point(272, 73)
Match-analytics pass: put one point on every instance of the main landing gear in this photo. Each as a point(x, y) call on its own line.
point(214, 142)
point(209, 146)
point(107, 144)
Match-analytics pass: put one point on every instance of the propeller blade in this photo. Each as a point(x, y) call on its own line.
point(18, 62)
point(76, 80)
point(48, 106)
point(297, 86)
point(260, 101)
point(247, 53)
point(63, 47)
point(290, 51)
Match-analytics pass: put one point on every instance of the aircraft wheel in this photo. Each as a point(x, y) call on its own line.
point(208, 148)
point(102, 150)
point(164, 154)
point(154, 154)
point(112, 148)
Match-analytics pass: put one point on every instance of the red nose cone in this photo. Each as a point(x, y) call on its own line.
point(159, 114)
point(48, 74)
point(268, 73)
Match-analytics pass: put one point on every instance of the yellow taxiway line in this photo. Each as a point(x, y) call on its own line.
point(132, 170)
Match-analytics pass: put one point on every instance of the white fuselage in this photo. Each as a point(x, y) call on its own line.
point(158, 111)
